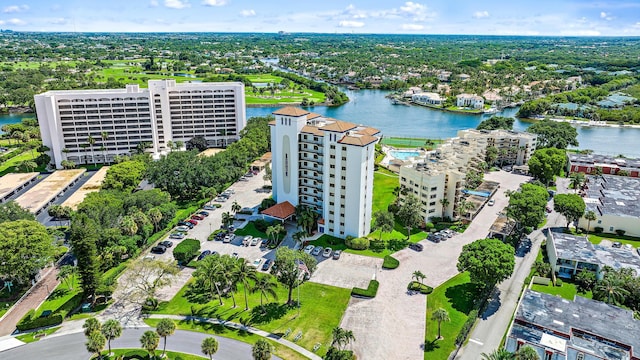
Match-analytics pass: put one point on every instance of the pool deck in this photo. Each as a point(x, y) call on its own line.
point(12, 182)
point(48, 189)
point(92, 185)
point(388, 157)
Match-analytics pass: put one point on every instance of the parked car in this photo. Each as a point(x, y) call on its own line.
point(234, 255)
point(177, 236)
point(327, 252)
point(255, 241)
point(316, 251)
point(158, 249)
point(267, 265)
point(491, 202)
point(243, 178)
point(229, 191)
point(204, 254)
point(197, 217)
point(203, 213)
point(183, 228)
point(264, 243)
point(247, 240)
point(193, 221)
point(166, 243)
point(617, 245)
point(220, 199)
point(209, 207)
point(228, 238)
point(416, 247)
point(249, 174)
point(336, 254)
point(256, 262)
point(309, 249)
point(187, 224)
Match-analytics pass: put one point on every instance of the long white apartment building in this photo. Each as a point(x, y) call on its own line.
point(441, 174)
point(326, 164)
point(119, 119)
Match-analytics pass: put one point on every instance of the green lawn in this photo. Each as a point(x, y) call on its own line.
point(37, 335)
point(11, 164)
point(139, 354)
point(403, 142)
point(250, 229)
point(279, 350)
point(59, 296)
point(568, 290)
point(322, 307)
point(597, 239)
point(384, 182)
point(264, 78)
point(457, 297)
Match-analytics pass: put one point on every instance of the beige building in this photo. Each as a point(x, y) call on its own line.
point(470, 101)
point(514, 147)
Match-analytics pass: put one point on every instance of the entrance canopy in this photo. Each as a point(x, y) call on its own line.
point(282, 211)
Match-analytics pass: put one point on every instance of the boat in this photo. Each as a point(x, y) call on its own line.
point(395, 101)
point(491, 110)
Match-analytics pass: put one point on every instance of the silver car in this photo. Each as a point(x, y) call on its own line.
point(316, 251)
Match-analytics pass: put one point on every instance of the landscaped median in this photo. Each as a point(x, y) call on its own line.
point(369, 292)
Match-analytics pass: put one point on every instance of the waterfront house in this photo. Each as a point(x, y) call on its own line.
point(428, 98)
point(470, 101)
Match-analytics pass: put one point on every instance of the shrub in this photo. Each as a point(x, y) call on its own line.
point(186, 250)
point(110, 276)
point(212, 236)
point(369, 292)
point(261, 225)
point(598, 230)
point(28, 323)
point(136, 354)
point(620, 232)
point(428, 226)
point(416, 286)
point(71, 305)
point(558, 282)
point(390, 262)
point(377, 245)
point(466, 328)
point(357, 243)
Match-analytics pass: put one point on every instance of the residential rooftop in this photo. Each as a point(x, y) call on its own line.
point(613, 195)
point(597, 160)
point(579, 248)
point(592, 326)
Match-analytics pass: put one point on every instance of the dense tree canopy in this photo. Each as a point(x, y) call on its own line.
point(25, 247)
point(496, 122)
point(289, 268)
point(571, 206)
point(124, 176)
point(488, 261)
point(11, 211)
point(545, 164)
point(554, 134)
point(527, 205)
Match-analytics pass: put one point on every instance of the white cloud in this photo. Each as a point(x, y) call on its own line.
point(153, 3)
point(15, 8)
point(412, 27)
point(177, 4)
point(604, 15)
point(14, 21)
point(247, 13)
point(481, 14)
point(214, 2)
point(351, 24)
point(415, 10)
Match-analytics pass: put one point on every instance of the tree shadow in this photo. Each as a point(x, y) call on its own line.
point(268, 312)
point(197, 295)
point(463, 296)
point(58, 293)
point(429, 346)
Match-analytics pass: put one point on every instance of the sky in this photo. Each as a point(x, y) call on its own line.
point(515, 17)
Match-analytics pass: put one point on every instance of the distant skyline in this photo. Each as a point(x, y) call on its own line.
point(541, 17)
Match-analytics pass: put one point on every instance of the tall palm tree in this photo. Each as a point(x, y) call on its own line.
point(209, 347)
point(149, 341)
point(527, 353)
point(67, 275)
point(227, 219)
point(500, 354)
point(265, 287)
point(243, 273)
point(91, 325)
point(91, 141)
point(576, 180)
point(179, 144)
point(299, 238)
point(165, 327)
point(341, 337)
point(261, 350)
point(589, 216)
point(235, 207)
point(128, 225)
point(170, 145)
point(155, 215)
point(105, 136)
point(440, 315)
point(95, 343)
point(111, 329)
point(463, 207)
point(444, 202)
point(419, 276)
point(208, 273)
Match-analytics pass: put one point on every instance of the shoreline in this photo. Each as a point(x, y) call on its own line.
point(435, 107)
point(589, 123)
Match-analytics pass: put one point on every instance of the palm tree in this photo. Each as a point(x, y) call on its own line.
point(165, 327)
point(91, 141)
point(527, 353)
point(341, 337)
point(589, 216)
point(576, 180)
point(261, 350)
point(299, 237)
point(95, 343)
point(149, 341)
point(208, 273)
point(384, 222)
point(209, 346)
point(155, 215)
point(611, 286)
point(111, 329)
point(128, 225)
point(170, 145)
point(463, 207)
point(419, 276)
point(27, 165)
point(266, 287)
point(445, 202)
point(66, 275)
point(440, 315)
point(91, 325)
point(104, 135)
point(273, 232)
point(179, 144)
point(500, 354)
point(235, 207)
point(243, 273)
point(227, 219)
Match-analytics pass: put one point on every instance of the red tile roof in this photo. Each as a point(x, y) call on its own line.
point(283, 210)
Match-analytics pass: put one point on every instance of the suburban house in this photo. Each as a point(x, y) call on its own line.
point(582, 329)
point(444, 75)
point(470, 101)
point(428, 98)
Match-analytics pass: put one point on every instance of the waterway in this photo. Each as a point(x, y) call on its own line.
point(12, 119)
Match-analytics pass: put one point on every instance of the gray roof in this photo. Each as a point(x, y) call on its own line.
point(613, 195)
point(573, 319)
point(571, 247)
point(600, 160)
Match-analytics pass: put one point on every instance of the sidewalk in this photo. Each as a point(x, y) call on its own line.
point(34, 297)
point(250, 329)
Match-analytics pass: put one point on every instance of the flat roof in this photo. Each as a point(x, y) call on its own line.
point(210, 152)
point(40, 195)
point(92, 185)
point(613, 195)
point(579, 320)
point(578, 248)
point(10, 182)
point(600, 160)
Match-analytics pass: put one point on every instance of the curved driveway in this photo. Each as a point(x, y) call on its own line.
point(71, 347)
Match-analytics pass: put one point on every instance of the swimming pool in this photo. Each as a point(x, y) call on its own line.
point(479, 193)
point(403, 154)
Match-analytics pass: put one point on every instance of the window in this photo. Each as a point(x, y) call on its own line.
point(432, 196)
point(432, 211)
point(286, 164)
point(548, 355)
point(610, 228)
point(432, 203)
point(580, 356)
point(434, 188)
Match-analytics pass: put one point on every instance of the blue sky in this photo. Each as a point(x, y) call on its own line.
point(515, 17)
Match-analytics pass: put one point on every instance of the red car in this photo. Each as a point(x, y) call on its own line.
point(197, 217)
point(194, 222)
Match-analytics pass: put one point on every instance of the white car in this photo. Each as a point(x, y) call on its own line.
point(247, 240)
point(309, 249)
point(327, 252)
point(256, 241)
point(256, 262)
point(491, 202)
point(182, 228)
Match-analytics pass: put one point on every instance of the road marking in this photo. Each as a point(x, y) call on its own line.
point(476, 341)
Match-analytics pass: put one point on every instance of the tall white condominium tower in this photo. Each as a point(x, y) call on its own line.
point(325, 164)
point(87, 126)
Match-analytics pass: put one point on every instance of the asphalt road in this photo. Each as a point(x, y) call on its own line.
point(72, 347)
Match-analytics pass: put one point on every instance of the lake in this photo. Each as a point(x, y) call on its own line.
point(13, 118)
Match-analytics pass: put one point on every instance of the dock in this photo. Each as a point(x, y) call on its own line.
point(46, 191)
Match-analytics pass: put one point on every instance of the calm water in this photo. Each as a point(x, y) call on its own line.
point(12, 119)
point(371, 108)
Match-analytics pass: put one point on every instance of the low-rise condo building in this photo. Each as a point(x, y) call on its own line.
point(582, 329)
point(589, 163)
point(514, 147)
point(87, 126)
point(327, 165)
point(616, 202)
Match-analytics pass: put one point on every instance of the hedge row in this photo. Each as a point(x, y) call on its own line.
point(369, 292)
point(186, 250)
point(390, 262)
point(416, 286)
point(466, 328)
point(29, 323)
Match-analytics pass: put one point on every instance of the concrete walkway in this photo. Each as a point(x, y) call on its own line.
point(237, 326)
